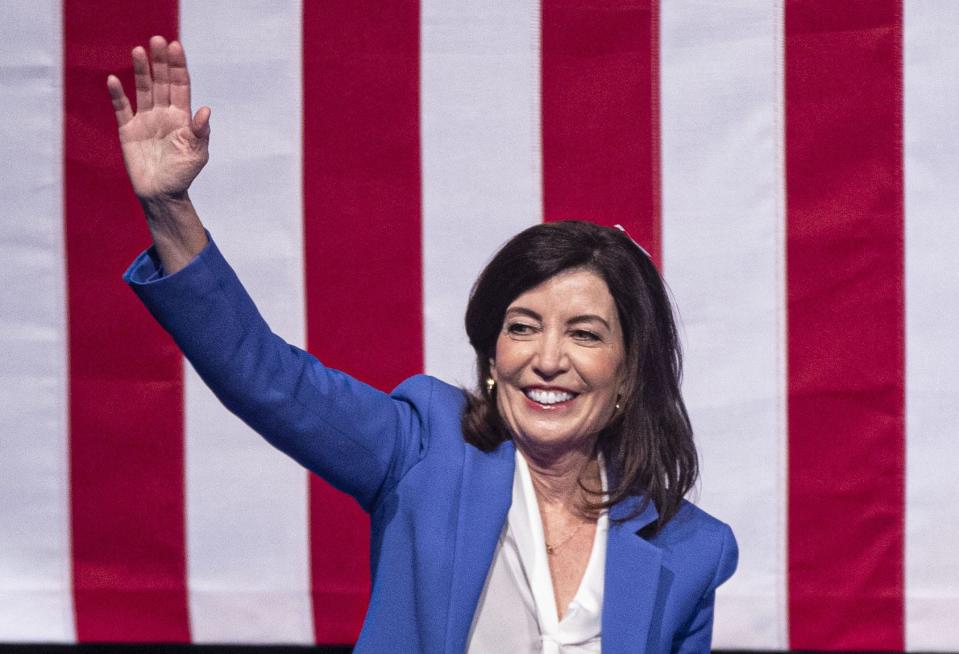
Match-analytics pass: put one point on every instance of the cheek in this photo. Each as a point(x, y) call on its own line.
point(508, 360)
point(604, 370)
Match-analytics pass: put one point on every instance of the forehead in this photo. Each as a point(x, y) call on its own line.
point(578, 291)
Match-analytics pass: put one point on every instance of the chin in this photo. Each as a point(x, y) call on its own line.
point(558, 440)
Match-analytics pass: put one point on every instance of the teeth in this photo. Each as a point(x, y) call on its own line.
point(548, 397)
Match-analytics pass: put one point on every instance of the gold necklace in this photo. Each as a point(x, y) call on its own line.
point(551, 549)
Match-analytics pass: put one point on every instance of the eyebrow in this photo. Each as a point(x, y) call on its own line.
point(586, 317)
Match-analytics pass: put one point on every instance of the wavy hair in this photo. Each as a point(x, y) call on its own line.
point(648, 445)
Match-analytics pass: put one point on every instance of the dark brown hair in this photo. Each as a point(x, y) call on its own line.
point(648, 446)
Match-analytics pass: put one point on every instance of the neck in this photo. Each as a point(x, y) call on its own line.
point(556, 475)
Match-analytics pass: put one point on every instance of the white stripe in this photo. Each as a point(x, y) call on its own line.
point(247, 517)
point(481, 156)
point(931, 64)
point(723, 252)
point(36, 601)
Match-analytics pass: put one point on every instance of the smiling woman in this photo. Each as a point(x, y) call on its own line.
point(544, 513)
point(579, 304)
point(577, 352)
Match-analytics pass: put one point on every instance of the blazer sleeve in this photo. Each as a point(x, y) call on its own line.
point(697, 636)
point(359, 439)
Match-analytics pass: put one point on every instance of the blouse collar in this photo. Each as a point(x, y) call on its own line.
point(583, 618)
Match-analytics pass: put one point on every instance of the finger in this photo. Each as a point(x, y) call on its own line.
point(179, 76)
point(121, 106)
point(161, 78)
point(144, 83)
point(201, 123)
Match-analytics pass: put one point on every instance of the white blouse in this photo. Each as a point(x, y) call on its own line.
point(517, 610)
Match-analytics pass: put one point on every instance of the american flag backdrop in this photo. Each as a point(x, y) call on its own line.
point(792, 166)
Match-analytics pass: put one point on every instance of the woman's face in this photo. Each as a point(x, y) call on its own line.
point(559, 361)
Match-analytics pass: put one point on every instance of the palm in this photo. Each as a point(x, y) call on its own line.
point(160, 153)
point(163, 147)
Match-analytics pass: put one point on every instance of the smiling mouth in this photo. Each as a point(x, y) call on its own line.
point(548, 397)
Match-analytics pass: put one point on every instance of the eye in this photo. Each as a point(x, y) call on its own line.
point(519, 329)
point(586, 335)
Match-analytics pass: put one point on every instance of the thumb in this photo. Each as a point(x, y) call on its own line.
point(201, 123)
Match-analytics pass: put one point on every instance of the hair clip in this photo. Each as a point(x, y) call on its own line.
point(641, 248)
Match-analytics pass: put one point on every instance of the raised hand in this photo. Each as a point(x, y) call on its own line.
point(164, 145)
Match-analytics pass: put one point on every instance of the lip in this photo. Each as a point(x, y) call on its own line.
point(542, 387)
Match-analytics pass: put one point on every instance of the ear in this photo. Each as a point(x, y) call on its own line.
point(621, 391)
point(492, 370)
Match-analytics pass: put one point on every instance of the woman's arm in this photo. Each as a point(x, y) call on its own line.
point(698, 634)
point(356, 437)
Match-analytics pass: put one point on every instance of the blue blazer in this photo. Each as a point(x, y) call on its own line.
point(437, 505)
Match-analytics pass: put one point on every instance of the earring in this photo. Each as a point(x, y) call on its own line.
point(618, 406)
point(490, 385)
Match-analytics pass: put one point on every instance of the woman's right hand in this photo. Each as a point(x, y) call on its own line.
point(164, 146)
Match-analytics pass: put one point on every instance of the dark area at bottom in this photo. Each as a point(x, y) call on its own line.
point(205, 649)
point(242, 649)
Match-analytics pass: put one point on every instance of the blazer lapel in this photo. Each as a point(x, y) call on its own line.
point(633, 568)
point(486, 495)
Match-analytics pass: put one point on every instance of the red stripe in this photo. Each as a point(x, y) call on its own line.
point(126, 406)
point(845, 302)
point(361, 188)
point(600, 115)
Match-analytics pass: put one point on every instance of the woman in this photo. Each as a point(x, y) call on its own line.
point(542, 513)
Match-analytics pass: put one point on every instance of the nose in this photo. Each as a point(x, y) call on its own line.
point(550, 360)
